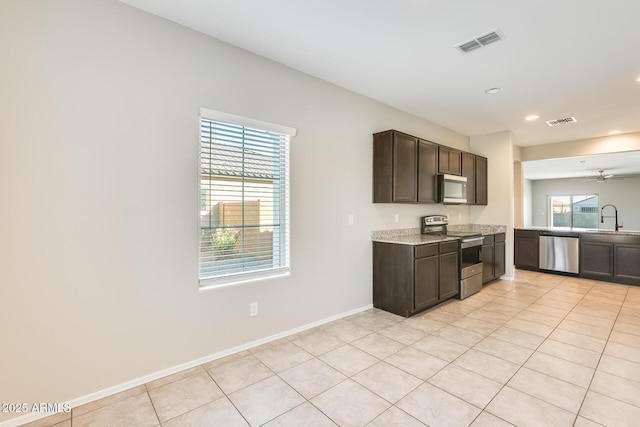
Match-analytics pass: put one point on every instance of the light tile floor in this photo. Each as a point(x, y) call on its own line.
point(540, 350)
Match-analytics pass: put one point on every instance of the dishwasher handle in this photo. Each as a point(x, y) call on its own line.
point(573, 234)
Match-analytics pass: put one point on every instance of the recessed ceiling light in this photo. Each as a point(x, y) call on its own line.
point(532, 117)
point(614, 132)
point(493, 90)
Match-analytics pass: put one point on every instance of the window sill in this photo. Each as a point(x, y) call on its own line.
point(238, 279)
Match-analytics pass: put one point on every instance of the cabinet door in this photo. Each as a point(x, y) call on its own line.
point(499, 261)
point(449, 160)
point(469, 171)
point(404, 169)
point(443, 159)
point(488, 263)
point(449, 280)
point(393, 276)
point(481, 181)
point(425, 282)
point(526, 249)
point(596, 260)
point(455, 162)
point(427, 170)
point(627, 266)
point(383, 167)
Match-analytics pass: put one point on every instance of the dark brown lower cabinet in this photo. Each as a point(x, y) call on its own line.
point(500, 268)
point(448, 277)
point(410, 278)
point(612, 258)
point(426, 281)
point(626, 262)
point(526, 249)
point(493, 257)
point(596, 258)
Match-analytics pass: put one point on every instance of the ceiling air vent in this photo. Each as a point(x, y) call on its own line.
point(481, 41)
point(489, 38)
point(469, 46)
point(561, 121)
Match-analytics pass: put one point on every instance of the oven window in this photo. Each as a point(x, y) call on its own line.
point(471, 256)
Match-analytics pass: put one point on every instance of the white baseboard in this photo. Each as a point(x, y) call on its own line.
point(18, 421)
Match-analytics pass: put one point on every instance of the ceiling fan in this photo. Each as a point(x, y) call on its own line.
point(601, 177)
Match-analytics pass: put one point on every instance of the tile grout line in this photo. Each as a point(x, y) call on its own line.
point(548, 337)
point(351, 377)
point(450, 363)
point(226, 395)
point(536, 349)
point(470, 348)
point(155, 411)
point(601, 352)
point(600, 359)
point(518, 370)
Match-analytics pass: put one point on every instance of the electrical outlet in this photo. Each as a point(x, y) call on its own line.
point(352, 219)
point(253, 309)
point(396, 218)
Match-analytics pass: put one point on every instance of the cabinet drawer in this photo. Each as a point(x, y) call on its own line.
point(446, 247)
point(488, 239)
point(422, 251)
point(500, 237)
point(527, 234)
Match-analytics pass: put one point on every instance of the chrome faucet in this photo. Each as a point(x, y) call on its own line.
point(602, 217)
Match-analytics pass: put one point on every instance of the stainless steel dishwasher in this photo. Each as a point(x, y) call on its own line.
point(559, 251)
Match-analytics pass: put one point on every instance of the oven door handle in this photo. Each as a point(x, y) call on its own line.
point(467, 243)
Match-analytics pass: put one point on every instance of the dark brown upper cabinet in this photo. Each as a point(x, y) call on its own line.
point(449, 160)
point(427, 171)
point(405, 169)
point(395, 166)
point(469, 171)
point(481, 182)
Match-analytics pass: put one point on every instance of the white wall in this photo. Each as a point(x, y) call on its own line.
point(619, 192)
point(98, 176)
point(499, 149)
point(527, 202)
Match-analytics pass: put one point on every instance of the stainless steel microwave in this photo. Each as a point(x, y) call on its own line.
point(452, 189)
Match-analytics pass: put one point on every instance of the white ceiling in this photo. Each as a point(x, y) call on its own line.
point(558, 59)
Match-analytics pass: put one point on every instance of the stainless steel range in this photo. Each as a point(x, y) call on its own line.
point(470, 260)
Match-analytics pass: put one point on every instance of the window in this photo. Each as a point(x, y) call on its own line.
point(573, 211)
point(244, 199)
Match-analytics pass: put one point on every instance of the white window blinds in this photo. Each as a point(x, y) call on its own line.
point(244, 201)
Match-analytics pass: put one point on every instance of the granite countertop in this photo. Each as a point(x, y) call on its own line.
point(414, 239)
point(622, 232)
point(412, 236)
point(484, 229)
